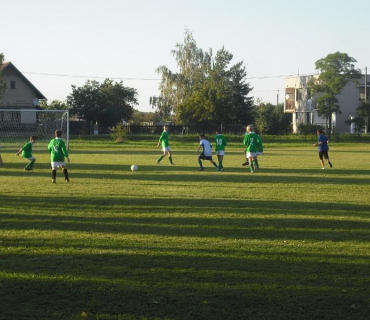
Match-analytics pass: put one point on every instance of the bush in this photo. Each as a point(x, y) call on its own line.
point(118, 133)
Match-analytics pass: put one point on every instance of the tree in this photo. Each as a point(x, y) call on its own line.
point(336, 70)
point(54, 105)
point(106, 103)
point(358, 123)
point(2, 82)
point(363, 110)
point(204, 90)
point(264, 117)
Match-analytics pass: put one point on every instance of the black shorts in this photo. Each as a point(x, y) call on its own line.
point(203, 157)
point(323, 154)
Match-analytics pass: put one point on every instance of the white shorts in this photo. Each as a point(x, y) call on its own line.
point(251, 154)
point(31, 159)
point(220, 153)
point(259, 153)
point(166, 149)
point(58, 164)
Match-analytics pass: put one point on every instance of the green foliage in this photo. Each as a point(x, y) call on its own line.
point(359, 123)
point(204, 90)
point(336, 70)
point(54, 105)
point(139, 117)
point(308, 129)
point(118, 132)
point(104, 103)
point(363, 111)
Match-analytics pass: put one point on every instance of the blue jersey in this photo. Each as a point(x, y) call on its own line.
point(323, 143)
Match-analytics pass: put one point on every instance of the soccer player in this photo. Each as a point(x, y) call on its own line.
point(58, 152)
point(221, 143)
point(163, 139)
point(27, 153)
point(250, 141)
point(259, 150)
point(323, 148)
point(206, 153)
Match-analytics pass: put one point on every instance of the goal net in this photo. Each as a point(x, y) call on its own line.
point(16, 126)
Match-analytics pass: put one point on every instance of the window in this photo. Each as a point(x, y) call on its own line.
point(299, 95)
point(12, 84)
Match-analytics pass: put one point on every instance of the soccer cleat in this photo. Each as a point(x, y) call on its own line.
point(245, 164)
point(331, 166)
point(172, 164)
point(158, 162)
point(26, 169)
point(67, 180)
point(322, 168)
point(218, 169)
point(222, 169)
point(201, 169)
point(53, 181)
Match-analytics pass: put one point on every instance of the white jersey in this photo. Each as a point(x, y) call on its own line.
point(207, 148)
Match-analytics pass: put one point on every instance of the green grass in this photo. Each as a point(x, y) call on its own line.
point(168, 242)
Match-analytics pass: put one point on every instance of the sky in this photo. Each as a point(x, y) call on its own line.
point(56, 44)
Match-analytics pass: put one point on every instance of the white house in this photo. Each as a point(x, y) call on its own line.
point(298, 102)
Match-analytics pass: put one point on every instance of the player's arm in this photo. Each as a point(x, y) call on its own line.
point(20, 150)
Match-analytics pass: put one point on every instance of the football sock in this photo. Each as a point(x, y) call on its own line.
point(65, 171)
point(251, 167)
point(160, 158)
point(54, 174)
point(220, 164)
point(255, 165)
point(214, 163)
point(331, 166)
point(170, 157)
point(200, 163)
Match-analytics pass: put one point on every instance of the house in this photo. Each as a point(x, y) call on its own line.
point(20, 93)
point(298, 101)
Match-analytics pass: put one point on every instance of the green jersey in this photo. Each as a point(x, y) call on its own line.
point(221, 142)
point(250, 141)
point(164, 139)
point(58, 150)
point(27, 150)
point(259, 145)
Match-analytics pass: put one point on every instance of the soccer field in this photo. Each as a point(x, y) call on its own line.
point(290, 241)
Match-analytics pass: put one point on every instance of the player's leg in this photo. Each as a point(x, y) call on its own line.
point(214, 163)
point(65, 171)
point(200, 162)
point(165, 152)
point(246, 163)
point(170, 157)
point(255, 163)
point(54, 168)
point(321, 157)
point(1, 161)
point(220, 160)
point(29, 165)
point(328, 160)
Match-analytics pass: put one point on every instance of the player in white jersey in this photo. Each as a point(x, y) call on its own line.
point(206, 153)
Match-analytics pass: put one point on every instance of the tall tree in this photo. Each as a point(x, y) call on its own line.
point(107, 103)
point(363, 110)
point(2, 82)
point(336, 70)
point(203, 90)
point(54, 105)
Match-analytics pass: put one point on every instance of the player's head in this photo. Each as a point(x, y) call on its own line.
point(218, 131)
point(249, 128)
point(165, 127)
point(33, 139)
point(58, 133)
point(320, 131)
point(202, 136)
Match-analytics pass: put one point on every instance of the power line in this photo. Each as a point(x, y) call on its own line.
point(150, 79)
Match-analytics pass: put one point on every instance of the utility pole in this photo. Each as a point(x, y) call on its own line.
point(365, 84)
point(277, 98)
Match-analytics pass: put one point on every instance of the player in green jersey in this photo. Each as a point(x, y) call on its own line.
point(250, 141)
point(221, 143)
point(58, 152)
point(27, 153)
point(163, 140)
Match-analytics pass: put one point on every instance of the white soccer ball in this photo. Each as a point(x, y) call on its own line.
point(134, 167)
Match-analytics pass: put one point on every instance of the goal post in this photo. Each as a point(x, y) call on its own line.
point(17, 125)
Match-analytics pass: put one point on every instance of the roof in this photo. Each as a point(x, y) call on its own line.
point(7, 65)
